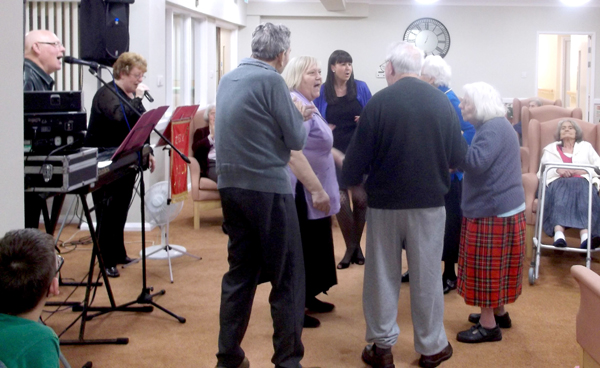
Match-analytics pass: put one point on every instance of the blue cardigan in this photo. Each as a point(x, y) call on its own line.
point(363, 95)
point(467, 128)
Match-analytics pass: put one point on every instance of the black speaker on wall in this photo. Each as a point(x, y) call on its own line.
point(103, 30)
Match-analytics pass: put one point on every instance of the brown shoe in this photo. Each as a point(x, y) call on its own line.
point(430, 361)
point(244, 364)
point(377, 357)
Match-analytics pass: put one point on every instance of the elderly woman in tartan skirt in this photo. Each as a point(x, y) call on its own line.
point(490, 263)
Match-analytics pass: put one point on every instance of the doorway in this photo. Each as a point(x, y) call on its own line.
point(223, 52)
point(565, 70)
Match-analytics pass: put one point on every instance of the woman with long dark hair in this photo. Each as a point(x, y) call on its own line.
point(341, 101)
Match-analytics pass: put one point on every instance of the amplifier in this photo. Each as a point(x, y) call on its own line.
point(45, 132)
point(61, 174)
point(48, 101)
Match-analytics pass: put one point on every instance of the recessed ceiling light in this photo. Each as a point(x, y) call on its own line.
point(426, 1)
point(574, 2)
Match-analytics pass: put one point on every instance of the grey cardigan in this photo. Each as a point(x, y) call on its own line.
point(492, 183)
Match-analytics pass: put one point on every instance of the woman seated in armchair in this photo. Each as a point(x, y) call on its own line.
point(566, 199)
point(204, 146)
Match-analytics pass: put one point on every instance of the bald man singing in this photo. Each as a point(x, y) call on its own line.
point(43, 54)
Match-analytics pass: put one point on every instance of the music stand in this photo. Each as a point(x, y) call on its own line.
point(145, 296)
point(165, 249)
point(134, 142)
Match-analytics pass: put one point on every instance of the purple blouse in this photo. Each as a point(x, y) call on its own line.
point(318, 153)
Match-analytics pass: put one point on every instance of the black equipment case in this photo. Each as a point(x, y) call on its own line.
point(61, 174)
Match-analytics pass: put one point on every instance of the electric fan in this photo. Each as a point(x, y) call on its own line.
point(160, 211)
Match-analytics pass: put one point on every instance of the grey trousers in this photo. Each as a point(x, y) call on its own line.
point(422, 232)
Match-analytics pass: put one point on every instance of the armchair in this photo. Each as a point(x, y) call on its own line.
point(518, 104)
point(542, 113)
point(587, 327)
point(204, 191)
point(540, 135)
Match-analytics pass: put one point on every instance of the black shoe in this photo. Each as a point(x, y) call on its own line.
point(478, 333)
point(244, 364)
point(430, 361)
point(345, 262)
point(311, 322)
point(358, 257)
point(503, 321)
point(561, 243)
point(595, 241)
point(127, 260)
point(316, 306)
point(112, 272)
point(405, 277)
point(449, 285)
point(377, 357)
point(343, 265)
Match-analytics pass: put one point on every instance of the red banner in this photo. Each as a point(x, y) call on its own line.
point(180, 139)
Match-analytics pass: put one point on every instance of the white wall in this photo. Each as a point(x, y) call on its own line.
point(11, 106)
point(492, 44)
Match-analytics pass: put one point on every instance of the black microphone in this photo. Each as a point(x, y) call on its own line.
point(72, 60)
point(147, 95)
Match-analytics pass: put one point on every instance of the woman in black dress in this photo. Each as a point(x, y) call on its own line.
point(341, 102)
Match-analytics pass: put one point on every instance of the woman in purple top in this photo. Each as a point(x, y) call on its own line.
point(303, 77)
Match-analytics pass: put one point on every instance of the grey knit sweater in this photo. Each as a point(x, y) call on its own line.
point(256, 126)
point(492, 183)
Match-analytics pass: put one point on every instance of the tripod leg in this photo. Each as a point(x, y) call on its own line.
point(187, 253)
point(180, 319)
point(169, 257)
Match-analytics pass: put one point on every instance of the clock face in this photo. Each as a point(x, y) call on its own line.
point(429, 35)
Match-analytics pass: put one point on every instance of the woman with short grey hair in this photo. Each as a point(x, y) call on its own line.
point(490, 263)
point(566, 199)
point(437, 72)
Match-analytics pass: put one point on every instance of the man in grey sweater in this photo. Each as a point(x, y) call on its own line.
point(257, 124)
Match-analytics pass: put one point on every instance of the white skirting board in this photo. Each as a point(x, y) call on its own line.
point(130, 226)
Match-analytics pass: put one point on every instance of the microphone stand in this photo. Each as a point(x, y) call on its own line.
point(146, 295)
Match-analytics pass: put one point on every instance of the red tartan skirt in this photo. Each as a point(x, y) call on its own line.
point(490, 261)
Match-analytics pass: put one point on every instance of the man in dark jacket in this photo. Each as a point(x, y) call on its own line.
point(408, 138)
point(43, 54)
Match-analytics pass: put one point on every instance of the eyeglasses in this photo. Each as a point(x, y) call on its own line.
point(382, 66)
point(56, 44)
point(139, 76)
point(59, 263)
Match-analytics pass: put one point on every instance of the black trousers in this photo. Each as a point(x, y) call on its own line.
point(111, 204)
point(453, 222)
point(264, 241)
point(34, 203)
point(317, 247)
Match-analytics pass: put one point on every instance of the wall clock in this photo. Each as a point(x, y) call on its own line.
point(429, 35)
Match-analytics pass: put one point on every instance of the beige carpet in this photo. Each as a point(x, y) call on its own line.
point(543, 333)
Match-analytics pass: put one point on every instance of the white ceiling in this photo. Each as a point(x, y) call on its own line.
point(592, 3)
